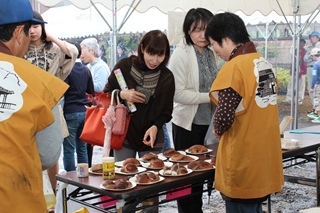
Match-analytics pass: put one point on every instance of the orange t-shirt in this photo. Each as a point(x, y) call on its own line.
point(27, 96)
point(249, 158)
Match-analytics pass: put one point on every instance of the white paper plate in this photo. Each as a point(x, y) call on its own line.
point(133, 185)
point(94, 173)
point(146, 165)
point(120, 163)
point(182, 152)
point(133, 179)
point(201, 170)
point(209, 161)
point(161, 157)
point(185, 161)
point(140, 169)
point(161, 173)
point(208, 151)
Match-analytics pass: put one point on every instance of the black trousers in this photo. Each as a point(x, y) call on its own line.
point(183, 139)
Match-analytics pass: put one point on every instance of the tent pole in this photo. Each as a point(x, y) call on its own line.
point(297, 62)
point(115, 30)
point(266, 37)
point(266, 42)
point(114, 34)
point(293, 73)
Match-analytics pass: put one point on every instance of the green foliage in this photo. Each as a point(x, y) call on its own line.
point(129, 41)
point(272, 50)
point(283, 76)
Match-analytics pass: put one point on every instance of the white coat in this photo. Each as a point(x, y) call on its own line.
point(184, 66)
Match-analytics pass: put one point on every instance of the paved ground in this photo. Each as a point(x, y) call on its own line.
point(303, 120)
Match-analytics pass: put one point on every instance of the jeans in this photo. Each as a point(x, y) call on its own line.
point(167, 141)
point(233, 207)
point(72, 143)
point(309, 75)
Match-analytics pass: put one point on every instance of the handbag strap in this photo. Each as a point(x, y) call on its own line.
point(115, 92)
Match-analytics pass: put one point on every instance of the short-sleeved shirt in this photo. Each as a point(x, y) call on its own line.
point(249, 157)
point(27, 96)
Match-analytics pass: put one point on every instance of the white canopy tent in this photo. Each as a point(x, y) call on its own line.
point(75, 22)
point(289, 7)
point(294, 8)
point(283, 7)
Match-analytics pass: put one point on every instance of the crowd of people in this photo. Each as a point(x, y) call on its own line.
point(47, 84)
point(307, 68)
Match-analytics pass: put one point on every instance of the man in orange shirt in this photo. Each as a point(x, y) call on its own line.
point(28, 122)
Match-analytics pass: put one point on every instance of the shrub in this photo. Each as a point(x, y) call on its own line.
point(283, 76)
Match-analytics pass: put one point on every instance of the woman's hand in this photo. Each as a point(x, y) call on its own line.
point(311, 90)
point(58, 42)
point(49, 37)
point(150, 136)
point(132, 96)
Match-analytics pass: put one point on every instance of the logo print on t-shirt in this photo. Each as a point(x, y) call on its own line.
point(12, 86)
point(266, 92)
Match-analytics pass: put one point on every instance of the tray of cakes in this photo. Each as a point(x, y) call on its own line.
point(175, 171)
point(181, 158)
point(127, 161)
point(96, 169)
point(156, 164)
point(198, 150)
point(146, 178)
point(117, 185)
point(171, 151)
point(199, 166)
point(129, 169)
point(212, 161)
point(149, 156)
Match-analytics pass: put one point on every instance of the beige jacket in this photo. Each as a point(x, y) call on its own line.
point(53, 60)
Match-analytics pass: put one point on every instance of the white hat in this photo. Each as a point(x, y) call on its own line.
point(315, 51)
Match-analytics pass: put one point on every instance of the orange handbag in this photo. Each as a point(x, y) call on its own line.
point(94, 131)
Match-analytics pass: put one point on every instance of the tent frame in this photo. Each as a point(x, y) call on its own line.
point(296, 32)
point(114, 31)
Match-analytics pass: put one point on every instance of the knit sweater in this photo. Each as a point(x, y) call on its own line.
point(53, 60)
point(159, 108)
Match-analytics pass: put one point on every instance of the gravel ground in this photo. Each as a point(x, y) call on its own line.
point(292, 198)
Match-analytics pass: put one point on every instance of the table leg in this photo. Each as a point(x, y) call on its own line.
point(119, 205)
point(63, 188)
point(318, 176)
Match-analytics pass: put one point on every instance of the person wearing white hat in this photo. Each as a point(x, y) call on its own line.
point(315, 86)
point(30, 127)
point(314, 39)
